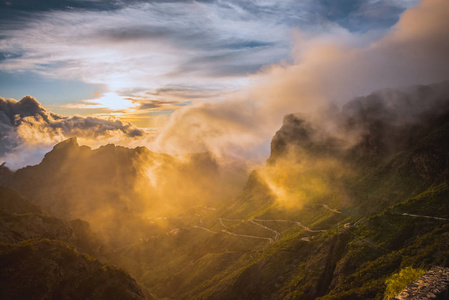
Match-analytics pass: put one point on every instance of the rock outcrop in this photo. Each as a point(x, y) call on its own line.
point(434, 284)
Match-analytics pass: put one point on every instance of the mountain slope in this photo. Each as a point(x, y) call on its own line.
point(38, 258)
point(45, 269)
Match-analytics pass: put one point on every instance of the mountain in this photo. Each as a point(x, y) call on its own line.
point(355, 196)
point(345, 201)
point(40, 257)
point(348, 201)
point(116, 189)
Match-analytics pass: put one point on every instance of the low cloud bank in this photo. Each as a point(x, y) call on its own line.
point(28, 130)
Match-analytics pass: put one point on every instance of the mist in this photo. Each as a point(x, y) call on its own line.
point(328, 71)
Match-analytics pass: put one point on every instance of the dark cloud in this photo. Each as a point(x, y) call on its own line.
point(29, 6)
point(238, 62)
point(151, 104)
point(363, 15)
point(14, 111)
point(247, 44)
point(200, 37)
point(133, 33)
point(183, 92)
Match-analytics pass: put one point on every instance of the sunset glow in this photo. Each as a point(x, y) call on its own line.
point(224, 149)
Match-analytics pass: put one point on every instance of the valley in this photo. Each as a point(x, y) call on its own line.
point(330, 216)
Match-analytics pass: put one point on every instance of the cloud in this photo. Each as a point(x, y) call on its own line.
point(146, 45)
point(28, 130)
point(150, 45)
point(362, 15)
point(327, 69)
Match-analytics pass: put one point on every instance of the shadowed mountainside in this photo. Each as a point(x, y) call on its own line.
point(39, 257)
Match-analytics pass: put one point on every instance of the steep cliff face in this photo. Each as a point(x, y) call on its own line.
point(398, 138)
point(378, 127)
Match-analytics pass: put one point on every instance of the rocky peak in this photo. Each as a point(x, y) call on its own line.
point(294, 131)
point(63, 150)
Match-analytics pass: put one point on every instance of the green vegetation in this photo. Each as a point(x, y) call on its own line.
point(52, 270)
point(398, 281)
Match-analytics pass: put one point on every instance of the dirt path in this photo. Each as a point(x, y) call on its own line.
point(276, 233)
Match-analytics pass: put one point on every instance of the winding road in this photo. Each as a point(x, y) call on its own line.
point(257, 223)
point(276, 233)
point(248, 236)
point(305, 228)
point(231, 220)
point(204, 228)
point(428, 217)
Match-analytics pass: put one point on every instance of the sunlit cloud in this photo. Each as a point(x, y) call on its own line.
point(110, 101)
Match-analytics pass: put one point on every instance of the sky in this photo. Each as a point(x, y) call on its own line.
point(193, 76)
point(137, 59)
